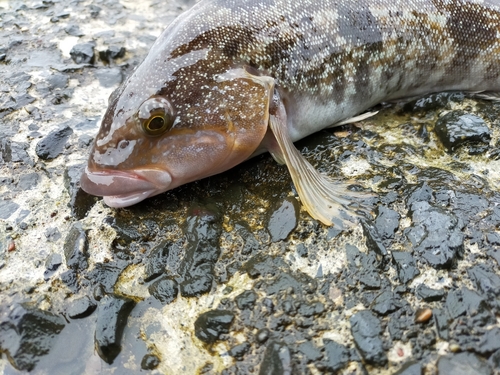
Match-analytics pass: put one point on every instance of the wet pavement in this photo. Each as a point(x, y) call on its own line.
point(229, 274)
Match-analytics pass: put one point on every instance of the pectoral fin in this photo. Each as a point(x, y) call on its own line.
point(326, 200)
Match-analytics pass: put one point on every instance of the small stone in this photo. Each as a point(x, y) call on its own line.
point(210, 325)
point(366, 331)
point(53, 144)
point(429, 294)
point(246, 300)
point(81, 308)
point(373, 239)
point(83, 53)
point(262, 335)
point(410, 368)
point(336, 356)
point(458, 127)
point(27, 334)
point(284, 220)
point(387, 222)
point(111, 321)
point(53, 262)
point(76, 248)
point(239, 351)
point(150, 362)
point(277, 360)
point(164, 290)
point(74, 30)
point(463, 364)
point(311, 352)
point(405, 264)
point(385, 303)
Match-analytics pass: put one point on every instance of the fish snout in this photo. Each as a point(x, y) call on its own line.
point(125, 188)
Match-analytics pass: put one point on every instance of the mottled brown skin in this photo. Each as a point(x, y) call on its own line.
point(219, 64)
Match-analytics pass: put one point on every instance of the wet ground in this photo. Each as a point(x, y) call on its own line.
point(229, 274)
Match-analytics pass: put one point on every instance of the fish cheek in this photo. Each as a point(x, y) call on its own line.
point(247, 115)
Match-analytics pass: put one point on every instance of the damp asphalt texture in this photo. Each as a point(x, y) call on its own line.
point(229, 274)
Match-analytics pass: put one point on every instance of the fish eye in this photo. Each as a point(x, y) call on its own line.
point(156, 116)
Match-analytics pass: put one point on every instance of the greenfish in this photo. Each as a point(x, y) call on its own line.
point(229, 79)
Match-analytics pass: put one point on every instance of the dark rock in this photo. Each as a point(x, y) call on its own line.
point(210, 325)
point(442, 320)
point(74, 30)
point(429, 294)
point(336, 356)
point(94, 10)
point(364, 266)
point(386, 222)
point(490, 342)
point(81, 308)
point(410, 368)
point(85, 141)
point(239, 351)
point(28, 181)
point(70, 279)
point(301, 250)
point(458, 127)
point(436, 234)
point(157, 260)
point(420, 193)
point(485, 280)
point(463, 364)
point(109, 77)
point(7, 208)
point(405, 264)
point(495, 360)
point(366, 331)
point(295, 282)
point(52, 264)
point(263, 265)
point(126, 230)
point(251, 243)
point(467, 302)
point(277, 360)
point(80, 202)
point(53, 144)
point(165, 290)
point(83, 53)
point(27, 334)
point(262, 335)
point(373, 239)
point(310, 352)
point(57, 81)
point(112, 318)
point(284, 220)
point(76, 248)
point(202, 229)
point(112, 53)
point(52, 234)
point(246, 300)
point(106, 274)
point(150, 362)
point(385, 303)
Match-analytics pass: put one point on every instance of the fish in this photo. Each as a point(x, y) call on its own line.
point(230, 79)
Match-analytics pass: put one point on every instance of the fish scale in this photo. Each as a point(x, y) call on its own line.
point(230, 79)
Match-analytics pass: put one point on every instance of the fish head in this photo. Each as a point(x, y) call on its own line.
point(155, 138)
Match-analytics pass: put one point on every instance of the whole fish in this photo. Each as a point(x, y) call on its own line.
point(229, 79)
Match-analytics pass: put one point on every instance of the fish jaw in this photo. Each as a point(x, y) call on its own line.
point(125, 188)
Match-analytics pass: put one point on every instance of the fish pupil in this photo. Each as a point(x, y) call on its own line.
point(156, 123)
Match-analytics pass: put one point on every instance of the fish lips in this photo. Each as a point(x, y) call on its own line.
point(122, 189)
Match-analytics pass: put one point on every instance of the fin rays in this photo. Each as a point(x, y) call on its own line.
point(325, 199)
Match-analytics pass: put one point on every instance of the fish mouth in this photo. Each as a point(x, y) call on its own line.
point(122, 189)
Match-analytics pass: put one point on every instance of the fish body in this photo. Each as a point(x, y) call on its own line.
point(229, 79)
